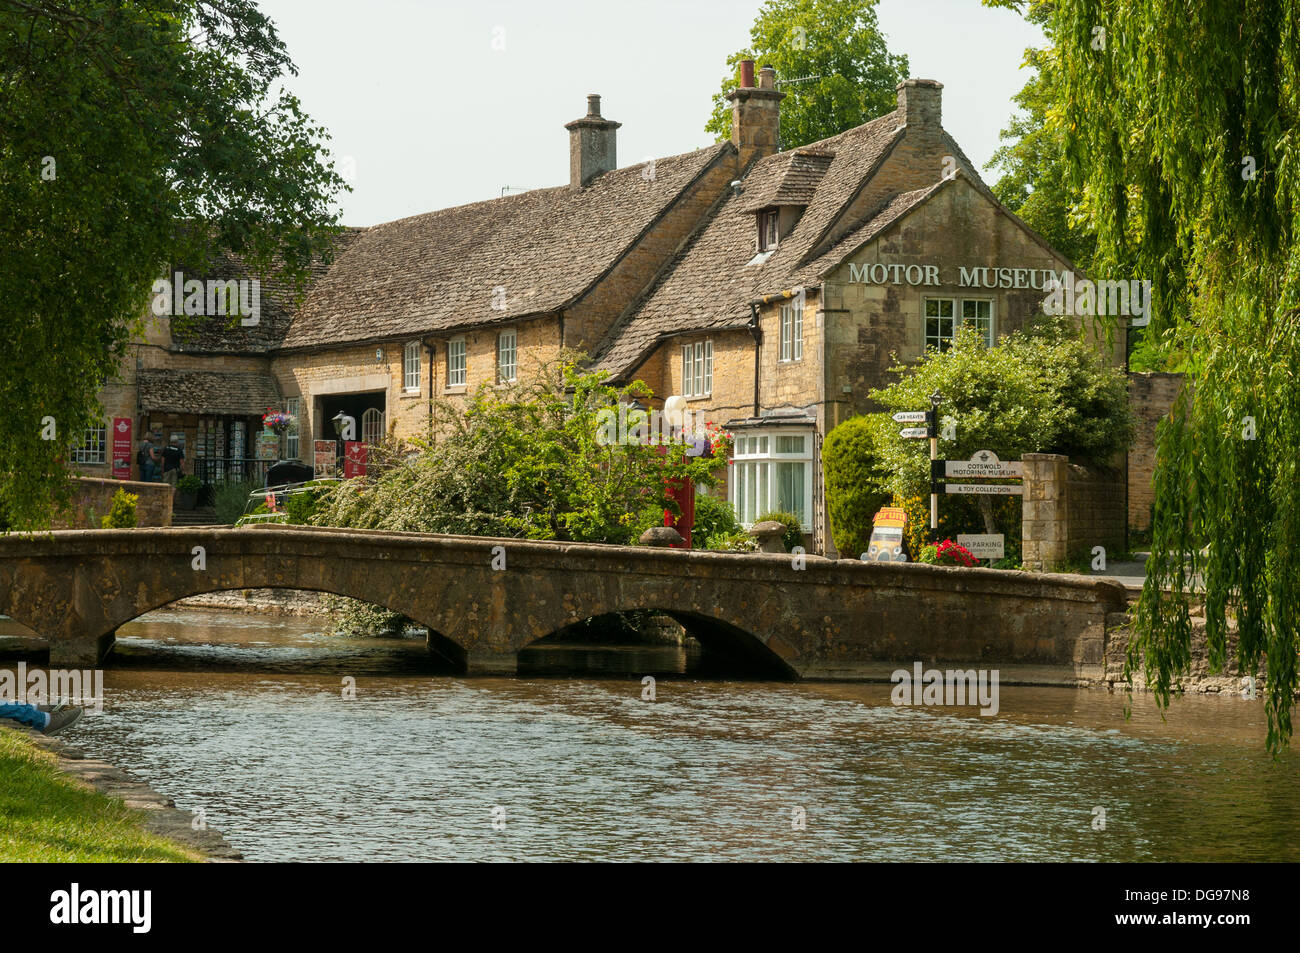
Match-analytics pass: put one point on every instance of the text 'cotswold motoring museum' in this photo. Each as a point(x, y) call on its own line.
point(769, 289)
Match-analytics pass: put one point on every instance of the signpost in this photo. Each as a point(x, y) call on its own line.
point(914, 433)
point(910, 417)
point(984, 464)
point(931, 429)
point(984, 489)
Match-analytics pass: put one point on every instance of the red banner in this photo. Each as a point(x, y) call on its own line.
point(121, 448)
point(355, 453)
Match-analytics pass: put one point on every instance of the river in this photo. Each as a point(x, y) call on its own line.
point(244, 717)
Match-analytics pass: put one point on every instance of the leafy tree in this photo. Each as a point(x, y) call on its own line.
point(837, 41)
point(1035, 182)
point(1183, 129)
point(530, 460)
point(132, 135)
point(1041, 390)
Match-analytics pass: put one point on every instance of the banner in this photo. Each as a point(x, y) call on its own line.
point(355, 454)
point(121, 448)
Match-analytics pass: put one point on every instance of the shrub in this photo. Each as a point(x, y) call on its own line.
point(737, 542)
point(854, 483)
point(229, 500)
point(121, 511)
point(301, 508)
point(714, 518)
point(793, 535)
point(188, 484)
point(947, 553)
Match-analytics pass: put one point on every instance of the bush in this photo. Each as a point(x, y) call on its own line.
point(854, 483)
point(354, 617)
point(188, 484)
point(301, 508)
point(714, 519)
point(947, 553)
point(737, 542)
point(793, 535)
point(121, 511)
point(229, 500)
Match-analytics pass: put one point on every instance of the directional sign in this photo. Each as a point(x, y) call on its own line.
point(984, 463)
point(912, 433)
point(984, 489)
point(910, 417)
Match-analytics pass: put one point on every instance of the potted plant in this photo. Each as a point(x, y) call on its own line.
point(187, 492)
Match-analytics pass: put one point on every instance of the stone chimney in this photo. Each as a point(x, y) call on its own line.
point(920, 103)
point(591, 145)
point(755, 112)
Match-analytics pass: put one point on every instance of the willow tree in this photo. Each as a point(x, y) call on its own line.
point(1181, 130)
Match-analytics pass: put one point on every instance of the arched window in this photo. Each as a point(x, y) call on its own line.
point(372, 425)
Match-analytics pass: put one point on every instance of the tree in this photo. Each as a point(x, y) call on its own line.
point(1035, 182)
point(1041, 390)
point(1183, 131)
point(533, 460)
point(836, 41)
point(132, 136)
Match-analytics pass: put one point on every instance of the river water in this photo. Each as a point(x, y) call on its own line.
point(244, 718)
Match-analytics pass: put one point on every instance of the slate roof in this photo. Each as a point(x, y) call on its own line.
point(208, 392)
point(791, 181)
point(225, 334)
point(440, 270)
point(710, 283)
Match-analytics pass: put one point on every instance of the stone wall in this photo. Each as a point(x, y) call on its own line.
point(93, 496)
point(1069, 509)
point(1150, 396)
point(1096, 510)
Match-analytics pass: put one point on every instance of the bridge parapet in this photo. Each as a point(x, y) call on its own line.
point(483, 599)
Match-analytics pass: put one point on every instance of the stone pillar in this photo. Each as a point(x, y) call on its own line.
point(1045, 535)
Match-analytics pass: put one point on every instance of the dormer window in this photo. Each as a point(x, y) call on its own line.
point(768, 229)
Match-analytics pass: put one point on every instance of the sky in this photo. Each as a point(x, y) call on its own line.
point(431, 104)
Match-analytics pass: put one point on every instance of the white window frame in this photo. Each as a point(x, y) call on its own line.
point(939, 341)
point(292, 406)
point(753, 488)
point(697, 369)
point(411, 367)
point(507, 357)
point(92, 446)
point(985, 322)
point(457, 362)
point(791, 333)
point(958, 320)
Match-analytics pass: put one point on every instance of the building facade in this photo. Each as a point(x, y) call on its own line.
point(770, 289)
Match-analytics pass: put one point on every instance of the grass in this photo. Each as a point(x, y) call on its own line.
point(47, 817)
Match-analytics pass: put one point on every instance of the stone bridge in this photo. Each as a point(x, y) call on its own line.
point(482, 600)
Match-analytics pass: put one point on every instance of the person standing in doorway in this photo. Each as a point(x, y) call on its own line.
point(173, 461)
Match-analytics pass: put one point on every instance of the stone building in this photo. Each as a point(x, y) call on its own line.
point(769, 289)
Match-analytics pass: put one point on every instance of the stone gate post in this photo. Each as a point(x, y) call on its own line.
point(1045, 534)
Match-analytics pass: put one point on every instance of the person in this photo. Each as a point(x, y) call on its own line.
point(48, 721)
point(173, 461)
point(145, 457)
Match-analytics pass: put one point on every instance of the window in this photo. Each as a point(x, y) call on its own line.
point(772, 472)
point(411, 367)
point(506, 366)
point(456, 363)
point(697, 369)
point(791, 332)
point(92, 446)
point(938, 323)
point(978, 313)
point(291, 407)
point(372, 425)
point(768, 231)
point(941, 323)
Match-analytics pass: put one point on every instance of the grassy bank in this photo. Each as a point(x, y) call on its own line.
point(47, 817)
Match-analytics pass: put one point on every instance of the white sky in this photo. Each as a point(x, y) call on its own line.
point(429, 115)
